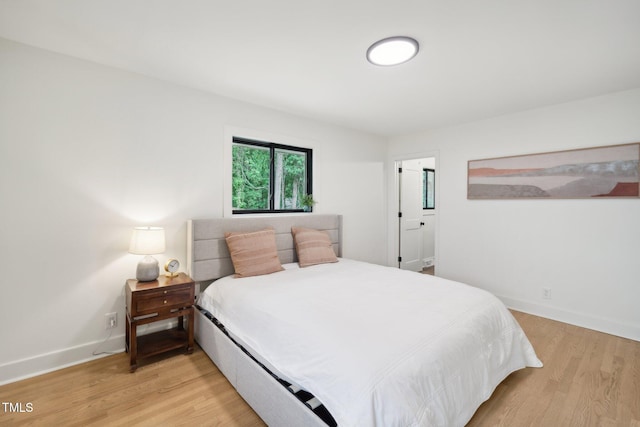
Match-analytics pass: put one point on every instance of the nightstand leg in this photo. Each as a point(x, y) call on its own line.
point(133, 347)
point(190, 327)
point(126, 337)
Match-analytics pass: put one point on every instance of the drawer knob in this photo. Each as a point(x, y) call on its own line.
point(165, 301)
point(165, 292)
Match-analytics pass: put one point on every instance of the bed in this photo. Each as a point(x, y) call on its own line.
point(344, 342)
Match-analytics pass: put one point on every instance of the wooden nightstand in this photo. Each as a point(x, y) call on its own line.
point(148, 302)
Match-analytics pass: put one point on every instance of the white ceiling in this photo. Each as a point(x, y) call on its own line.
point(477, 58)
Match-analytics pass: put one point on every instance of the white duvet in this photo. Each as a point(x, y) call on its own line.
point(376, 345)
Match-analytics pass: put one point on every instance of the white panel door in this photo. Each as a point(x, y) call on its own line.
point(411, 236)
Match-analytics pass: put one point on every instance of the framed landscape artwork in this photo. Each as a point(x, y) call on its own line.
point(611, 171)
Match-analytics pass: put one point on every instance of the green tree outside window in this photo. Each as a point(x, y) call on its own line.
point(269, 177)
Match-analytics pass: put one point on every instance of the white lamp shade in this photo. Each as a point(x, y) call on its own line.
point(147, 241)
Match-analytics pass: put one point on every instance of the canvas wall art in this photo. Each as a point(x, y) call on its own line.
point(611, 171)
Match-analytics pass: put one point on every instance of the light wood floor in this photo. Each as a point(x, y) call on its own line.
point(429, 270)
point(589, 379)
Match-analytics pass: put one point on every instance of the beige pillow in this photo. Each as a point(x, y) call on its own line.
point(253, 254)
point(313, 246)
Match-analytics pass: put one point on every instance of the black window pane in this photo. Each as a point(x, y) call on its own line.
point(250, 177)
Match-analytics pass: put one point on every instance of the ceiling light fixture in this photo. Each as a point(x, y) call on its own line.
point(392, 51)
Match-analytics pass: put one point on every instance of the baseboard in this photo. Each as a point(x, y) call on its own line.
point(49, 362)
point(609, 326)
point(55, 360)
point(428, 262)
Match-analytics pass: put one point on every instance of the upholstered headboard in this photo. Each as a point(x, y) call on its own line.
point(207, 254)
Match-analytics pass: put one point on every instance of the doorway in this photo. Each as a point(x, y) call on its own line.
point(416, 213)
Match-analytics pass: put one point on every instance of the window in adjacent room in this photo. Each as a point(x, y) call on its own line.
point(269, 177)
point(428, 187)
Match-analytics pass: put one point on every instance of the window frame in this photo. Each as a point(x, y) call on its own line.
point(273, 146)
point(425, 172)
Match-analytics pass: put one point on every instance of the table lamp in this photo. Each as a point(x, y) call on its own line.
point(147, 241)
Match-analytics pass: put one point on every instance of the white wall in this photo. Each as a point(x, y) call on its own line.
point(586, 251)
point(88, 152)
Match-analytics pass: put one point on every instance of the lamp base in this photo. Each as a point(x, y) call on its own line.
point(148, 269)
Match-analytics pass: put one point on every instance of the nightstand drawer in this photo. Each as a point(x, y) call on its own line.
point(161, 301)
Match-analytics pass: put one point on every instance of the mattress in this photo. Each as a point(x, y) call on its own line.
point(377, 346)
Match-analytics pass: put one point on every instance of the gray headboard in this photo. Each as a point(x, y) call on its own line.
point(207, 254)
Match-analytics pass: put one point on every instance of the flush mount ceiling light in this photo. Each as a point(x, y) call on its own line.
point(392, 51)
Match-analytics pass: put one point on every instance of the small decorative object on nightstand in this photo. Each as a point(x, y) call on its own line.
point(147, 302)
point(171, 267)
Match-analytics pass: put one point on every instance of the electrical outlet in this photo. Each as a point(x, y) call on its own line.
point(546, 293)
point(111, 320)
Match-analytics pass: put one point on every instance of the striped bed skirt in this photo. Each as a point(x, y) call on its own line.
point(309, 400)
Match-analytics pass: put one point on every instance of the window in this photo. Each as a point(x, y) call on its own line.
point(428, 187)
point(269, 177)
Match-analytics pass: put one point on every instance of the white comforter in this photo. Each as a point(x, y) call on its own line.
point(376, 345)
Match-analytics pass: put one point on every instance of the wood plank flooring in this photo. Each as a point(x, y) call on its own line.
point(589, 379)
point(164, 391)
point(429, 270)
